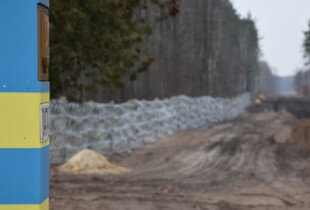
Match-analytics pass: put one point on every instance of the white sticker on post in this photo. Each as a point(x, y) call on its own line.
point(45, 122)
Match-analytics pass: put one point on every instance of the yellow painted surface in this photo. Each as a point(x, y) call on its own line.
point(20, 120)
point(43, 206)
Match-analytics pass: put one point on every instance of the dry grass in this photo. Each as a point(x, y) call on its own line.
point(301, 133)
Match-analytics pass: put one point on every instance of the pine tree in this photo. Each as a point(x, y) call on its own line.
point(307, 45)
point(100, 42)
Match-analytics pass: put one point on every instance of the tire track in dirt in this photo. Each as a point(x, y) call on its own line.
point(249, 163)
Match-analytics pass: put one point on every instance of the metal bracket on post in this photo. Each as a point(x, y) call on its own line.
point(24, 105)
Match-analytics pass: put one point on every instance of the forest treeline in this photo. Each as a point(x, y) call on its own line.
point(268, 82)
point(154, 49)
point(302, 82)
point(302, 77)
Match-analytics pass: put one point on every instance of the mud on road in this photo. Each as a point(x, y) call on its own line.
point(249, 163)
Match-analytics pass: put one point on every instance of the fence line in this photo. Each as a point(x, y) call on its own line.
point(111, 128)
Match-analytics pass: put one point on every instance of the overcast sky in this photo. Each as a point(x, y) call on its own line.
point(281, 24)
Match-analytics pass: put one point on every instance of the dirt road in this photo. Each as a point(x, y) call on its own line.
point(248, 163)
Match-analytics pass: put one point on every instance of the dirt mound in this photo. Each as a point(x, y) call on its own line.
point(90, 162)
point(301, 133)
point(280, 128)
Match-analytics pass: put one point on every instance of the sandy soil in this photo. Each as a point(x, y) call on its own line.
point(248, 163)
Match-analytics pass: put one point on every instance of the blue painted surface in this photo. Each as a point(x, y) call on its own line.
point(24, 176)
point(37, 87)
point(19, 46)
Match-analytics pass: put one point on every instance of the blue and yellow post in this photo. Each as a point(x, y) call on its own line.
point(24, 105)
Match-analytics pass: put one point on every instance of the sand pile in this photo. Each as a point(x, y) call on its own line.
point(301, 133)
point(90, 162)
